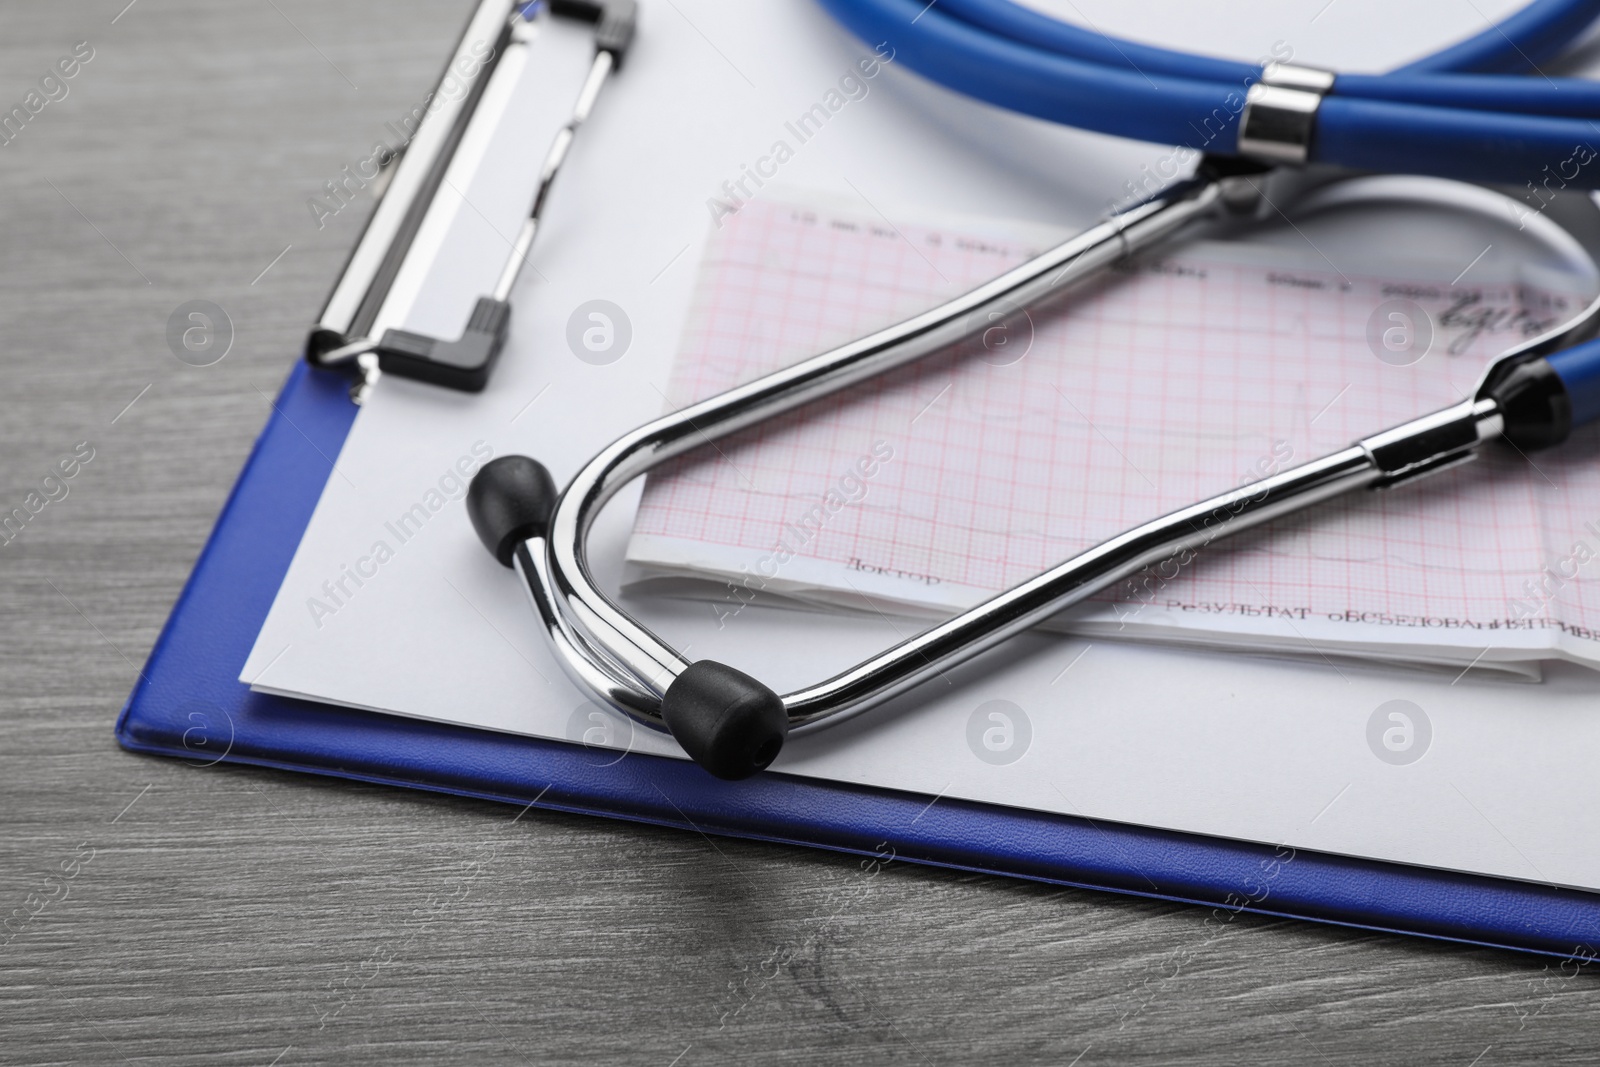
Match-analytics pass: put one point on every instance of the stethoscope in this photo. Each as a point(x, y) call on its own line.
point(1453, 115)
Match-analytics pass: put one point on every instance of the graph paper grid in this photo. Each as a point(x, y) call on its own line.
point(1175, 378)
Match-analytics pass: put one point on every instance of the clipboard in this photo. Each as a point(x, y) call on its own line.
point(189, 704)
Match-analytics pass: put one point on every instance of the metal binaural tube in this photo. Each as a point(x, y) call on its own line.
point(638, 668)
point(1422, 446)
point(587, 664)
point(652, 664)
point(980, 628)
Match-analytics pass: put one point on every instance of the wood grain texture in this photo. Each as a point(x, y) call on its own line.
point(239, 916)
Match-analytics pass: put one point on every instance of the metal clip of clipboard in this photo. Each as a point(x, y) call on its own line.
point(356, 330)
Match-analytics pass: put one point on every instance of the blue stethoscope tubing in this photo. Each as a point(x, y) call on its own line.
point(1479, 110)
point(1461, 113)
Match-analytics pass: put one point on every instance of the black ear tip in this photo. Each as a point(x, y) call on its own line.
point(726, 721)
point(510, 500)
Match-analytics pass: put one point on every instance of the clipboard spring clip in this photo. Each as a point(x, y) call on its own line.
point(354, 330)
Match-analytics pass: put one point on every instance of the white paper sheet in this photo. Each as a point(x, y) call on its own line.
point(1311, 756)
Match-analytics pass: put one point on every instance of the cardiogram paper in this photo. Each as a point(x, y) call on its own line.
point(1182, 375)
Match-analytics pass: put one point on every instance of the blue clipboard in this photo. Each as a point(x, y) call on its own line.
point(190, 704)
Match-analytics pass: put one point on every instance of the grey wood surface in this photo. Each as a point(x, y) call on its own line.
point(238, 916)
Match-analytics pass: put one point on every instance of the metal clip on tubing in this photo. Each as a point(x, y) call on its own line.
point(733, 725)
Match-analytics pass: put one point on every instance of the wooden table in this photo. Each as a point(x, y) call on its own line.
point(238, 916)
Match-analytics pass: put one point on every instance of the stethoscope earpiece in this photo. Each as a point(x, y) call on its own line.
point(726, 721)
point(509, 501)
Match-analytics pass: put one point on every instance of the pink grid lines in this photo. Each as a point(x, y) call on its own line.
point(1164, 384)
